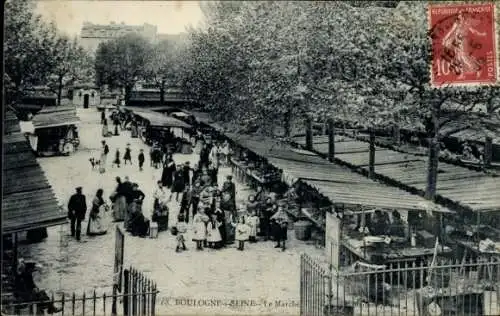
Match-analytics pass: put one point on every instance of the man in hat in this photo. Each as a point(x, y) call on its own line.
point(77, 207)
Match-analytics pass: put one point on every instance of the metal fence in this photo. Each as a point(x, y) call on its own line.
point(138, 298)
point(450, 288)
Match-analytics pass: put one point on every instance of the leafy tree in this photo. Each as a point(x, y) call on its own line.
point(120, 63)
point(27, 48)
point(71, 64)
point(163, 64)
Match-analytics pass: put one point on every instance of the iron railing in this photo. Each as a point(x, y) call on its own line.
point(450, 288)
point(138, 298)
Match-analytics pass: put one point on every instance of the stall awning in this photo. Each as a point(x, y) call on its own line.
point(28, 200)
point(337, 183)
point(56, 116)
point(159, 120)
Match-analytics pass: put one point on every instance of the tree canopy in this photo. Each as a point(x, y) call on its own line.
point(121, 62)
point(36, 53)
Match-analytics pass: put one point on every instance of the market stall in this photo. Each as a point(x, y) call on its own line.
point(155, 127)
point(54, 131)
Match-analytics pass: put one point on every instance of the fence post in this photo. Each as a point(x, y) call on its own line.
point(144, 295)
point(153, 307)
point(134, 298)
point(94, 301)
point(104, 303)
point(62, 304)
point(126, 291)
point(83, 303)
point(73, 298)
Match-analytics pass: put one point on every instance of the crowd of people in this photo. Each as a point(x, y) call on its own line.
point(207, 208)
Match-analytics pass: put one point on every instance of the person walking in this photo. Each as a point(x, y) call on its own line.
point(141, 159)
point(103, 116)
point(96, 224)
point(168, 171)
point(186, 172)
point(128, 155)
point(117, 159)
point(104, 156)
point(105, 130)
point(116, 122)
point(77, 207)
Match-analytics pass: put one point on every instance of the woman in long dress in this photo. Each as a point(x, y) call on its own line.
point(120, 202)
point(96, 225)
point(105, 128)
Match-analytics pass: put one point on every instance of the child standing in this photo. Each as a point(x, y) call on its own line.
point(214, 237)
point(253, 223)
point(117, 158)
point(280, 228)
point(200, 229)
point(181, 230)
point(141, 159)
point(128, 155)
point(242, 231)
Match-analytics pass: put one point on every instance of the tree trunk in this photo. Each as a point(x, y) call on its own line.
point(371, 166)
point(396, 135)
point(309, 134)
point(288, 124)
point(432, 169)
point(128, 91)
point(162, 92)
point(59, 89)
point(331, 140)
point(488, 152)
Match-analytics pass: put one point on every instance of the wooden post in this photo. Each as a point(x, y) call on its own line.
point(309, 133)
point(488, 152)
point(432, 169)
point(331, 140)
point(371, 170)
point(126, 292)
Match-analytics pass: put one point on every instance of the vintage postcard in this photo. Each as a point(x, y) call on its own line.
point(250, 158)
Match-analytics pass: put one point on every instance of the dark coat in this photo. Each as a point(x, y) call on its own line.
point(141, 158)
point(127, 191)
point(186, 170)
point(178, 185)
point(77, 206)
point(229, 187)
point(167, 175)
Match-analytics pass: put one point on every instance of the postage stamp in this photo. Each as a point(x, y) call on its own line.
point(463, 39)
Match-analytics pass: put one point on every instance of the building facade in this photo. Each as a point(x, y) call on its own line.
point(93, 34)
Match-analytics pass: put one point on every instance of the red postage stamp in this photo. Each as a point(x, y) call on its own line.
point(464, 48)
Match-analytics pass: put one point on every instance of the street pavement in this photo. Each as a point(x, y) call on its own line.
point(262, 277)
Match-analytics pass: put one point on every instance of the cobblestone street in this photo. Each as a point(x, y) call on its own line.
point(260, 273)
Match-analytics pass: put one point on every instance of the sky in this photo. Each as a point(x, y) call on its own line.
point(171, 17)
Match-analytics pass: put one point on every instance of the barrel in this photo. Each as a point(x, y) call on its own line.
point(302, 230)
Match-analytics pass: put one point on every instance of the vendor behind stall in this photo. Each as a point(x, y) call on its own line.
point(379, 224)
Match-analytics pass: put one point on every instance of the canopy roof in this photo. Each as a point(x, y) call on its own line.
point(56, 116)
point(470, 189)
point(159, 120)
point(338, 184)
point(28, 200)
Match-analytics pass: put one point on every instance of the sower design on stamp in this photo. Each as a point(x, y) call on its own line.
point(463, 38)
